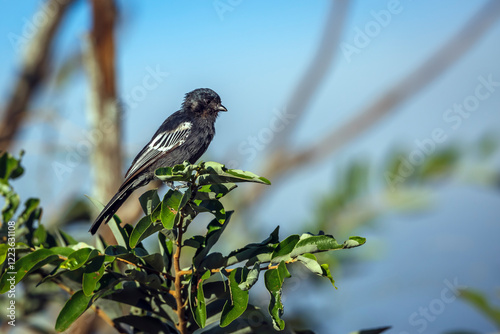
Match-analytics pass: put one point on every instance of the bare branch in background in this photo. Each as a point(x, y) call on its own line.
point(33, 70)
point(318, 69)
point(104, 111)
point(280, 162)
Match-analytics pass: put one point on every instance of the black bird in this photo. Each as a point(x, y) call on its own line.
point(184, 136)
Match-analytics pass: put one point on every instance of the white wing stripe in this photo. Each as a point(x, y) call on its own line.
point(167, 140)
point(158, 138)
point(163, 142)
point(178, 135)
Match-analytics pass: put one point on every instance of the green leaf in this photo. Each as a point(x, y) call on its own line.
point(274, 279)
point(213, 206)
point(29, 226)
point(213, 260)
point(3, 252)
point(247, 176)
point(24, 266)
point(166, 251)
point(153, 281)
point(216, 173)
point(145, 324)
point(214, 191)
point(440, 162)
point(63, 251)
point(121, 252)
point(355, 180)
point(177, 173)
point(29, 207)
point(100, 243)
point(39, 236)
point(12, 201)
point(119, 232)
point(479, 301)
point(170, 207)
point(79, 257)
point(92, 274)
point(310, 243)
point(487, 145)
point(214, 232)
point(271, 250)
point(116, 250)
point(196, 241)
point(154, 261)
point(256, 252)
point(284, 248)
point(354, 242)
point(252, 277)
point(149, 201)
point(383, 329)
point(67, 239)
point(74, 307)
point(56, 272)
point(239, 298)
point(144, 228)
point(10, 167)
point(185, 198)
point(197, 299)
point(311, 263)
point(327, 274)
point(160, 303)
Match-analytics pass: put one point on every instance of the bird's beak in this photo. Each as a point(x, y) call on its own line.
point(222, 108)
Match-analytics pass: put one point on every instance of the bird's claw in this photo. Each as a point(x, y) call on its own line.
point(183, 184)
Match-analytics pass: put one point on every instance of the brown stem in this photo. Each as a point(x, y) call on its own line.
point(214, 271)
point(181, 325)
point(166, 275)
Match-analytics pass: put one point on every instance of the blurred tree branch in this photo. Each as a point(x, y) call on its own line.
point(318, 69)
point(104, 111)
point(281, 161)
point(34, 68)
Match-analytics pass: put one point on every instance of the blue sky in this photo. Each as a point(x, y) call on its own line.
point(252, 55)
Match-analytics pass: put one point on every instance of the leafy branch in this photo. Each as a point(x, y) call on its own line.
point(160, 293)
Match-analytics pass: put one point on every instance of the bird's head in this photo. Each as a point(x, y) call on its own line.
point(203, 101)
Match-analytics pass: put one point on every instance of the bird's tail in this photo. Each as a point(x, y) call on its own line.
point(110, 208)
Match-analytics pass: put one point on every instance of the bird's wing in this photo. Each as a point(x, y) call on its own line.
point(162, 143)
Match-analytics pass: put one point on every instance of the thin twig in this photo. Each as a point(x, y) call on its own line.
point(166, 275)
point(228, 270)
